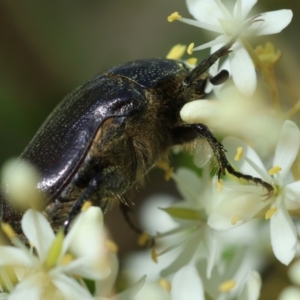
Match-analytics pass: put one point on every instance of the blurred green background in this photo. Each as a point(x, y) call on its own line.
point(49, 48)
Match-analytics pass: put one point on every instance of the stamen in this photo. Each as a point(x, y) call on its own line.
point(220, 185)
point(112, 246)
point(176, 52)
point(143, 239)
point(8, 230)
point(165, 284)
point(192, 61)
point(86, 205)
point(190, 48)
point(227, 286)
point(8, 278)
point(174, 16)
point(154, 255)
point(235, 219)
point(239, 154)
point(270, 213)
point(274, 170)
point(66, 259)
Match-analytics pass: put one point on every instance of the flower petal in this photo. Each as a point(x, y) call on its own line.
point(187, 284)
point(292, 191)
point(252, 287)
point(283, 235)
point(231, 144)
point(92, 261)
point(38, 231)
point(13, 256)
point(273, 22)
point(238, 205)
point(29, 288)
point(70, 288)
point(205, 11)
point(243, 72)
point(200, 25)
point(212, 247)
point(217, 43)
point(186, 253)
point(290, 293)
point(246, 7)
point(130, 292)
point(287, 147)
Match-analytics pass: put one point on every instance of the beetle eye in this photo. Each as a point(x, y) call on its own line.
point(220, 78)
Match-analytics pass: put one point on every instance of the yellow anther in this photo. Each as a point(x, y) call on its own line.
point(190, 48)
point(66, 259)
point(239, 154)
point(143, 239)
point(274, 170)
point(176, 52)
point(220, 185)
point(192, 61)
point(112, 246)
point(227, 286)
point(86, 205)
point(154, 255)
point(8, 231)
point(174, 16)
point(270, 213)
point(165, 284)
point(235, 219)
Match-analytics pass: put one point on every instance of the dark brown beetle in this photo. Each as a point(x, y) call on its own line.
point(105, 135)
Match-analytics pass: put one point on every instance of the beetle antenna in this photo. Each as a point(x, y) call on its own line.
point(208, 62)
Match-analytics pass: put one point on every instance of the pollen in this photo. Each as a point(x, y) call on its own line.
point(227, 286)
point(112, 246)
point(8, 231)
point(190, 48)
point(143, 239)
point(86, 205)
point(239, 153)
point(174, 16)
point(154, 255)
point(176, 52)
point(192, 61)
point(165, 284)
point(220, 185)
point(274, 170)
point(270, 213)
point(235, 219)
point(66, 259)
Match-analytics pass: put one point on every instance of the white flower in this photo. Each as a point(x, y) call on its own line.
point(187, 284)
point(212, 15)
point(49, 273)
point(242, 203)
point(192, 238)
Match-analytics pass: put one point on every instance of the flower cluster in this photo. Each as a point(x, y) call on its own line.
point(216, 242)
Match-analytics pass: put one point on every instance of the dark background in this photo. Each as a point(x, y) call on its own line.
point(50, 47)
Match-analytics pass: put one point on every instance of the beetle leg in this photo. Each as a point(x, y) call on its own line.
point(85, 196)
point(188, 133)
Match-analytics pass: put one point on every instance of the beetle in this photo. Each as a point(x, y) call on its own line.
point(105, 135)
